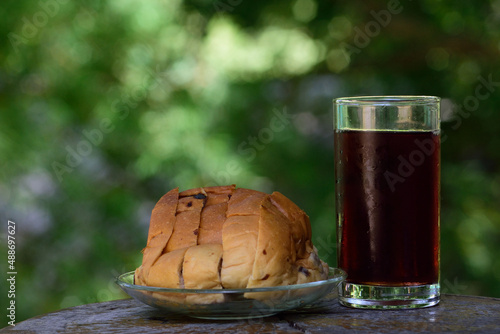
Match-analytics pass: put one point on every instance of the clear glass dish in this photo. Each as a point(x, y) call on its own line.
point(231, 303)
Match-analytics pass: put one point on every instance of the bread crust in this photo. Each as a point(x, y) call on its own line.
point(212, 220)
point(245, 202)
point(151, 253)
point(205, 190)
point(300, 227)
point(187, 223)
point(163, 215)
point(274, 255)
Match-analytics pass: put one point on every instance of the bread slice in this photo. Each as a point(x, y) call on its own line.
point(239, 243)
point(274, 256)
point(151, 253)
point(163, 215)
point(187, 223)
point(201, 270)
point(239, 237)
point(245, 202)
point(300, 227)
point(216, 198)
point(160, 230)
point(167, 273)
point(213, 218)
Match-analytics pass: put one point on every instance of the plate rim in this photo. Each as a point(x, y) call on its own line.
point(338, 274)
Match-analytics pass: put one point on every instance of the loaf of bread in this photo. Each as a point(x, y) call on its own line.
point(227, 238)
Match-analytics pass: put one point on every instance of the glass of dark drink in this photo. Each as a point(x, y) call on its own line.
point(387, 173)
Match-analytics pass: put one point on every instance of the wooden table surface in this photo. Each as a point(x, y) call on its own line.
point(455, 313)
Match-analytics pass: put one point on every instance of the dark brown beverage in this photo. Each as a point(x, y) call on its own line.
point(388, 211)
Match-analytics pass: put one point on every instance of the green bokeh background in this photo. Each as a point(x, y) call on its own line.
point(106, 105)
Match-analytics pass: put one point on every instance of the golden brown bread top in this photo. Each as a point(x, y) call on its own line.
point(298, 221)
point(212, 219)
point(223, 237)
point(187, 223)
point(245, 202)
point(163, 215)
point(274, 255)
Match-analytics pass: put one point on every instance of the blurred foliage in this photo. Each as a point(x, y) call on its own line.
point(106, 105)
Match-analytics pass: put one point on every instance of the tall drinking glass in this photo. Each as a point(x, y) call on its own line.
point(387, 156)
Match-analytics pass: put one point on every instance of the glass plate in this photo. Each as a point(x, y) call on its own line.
point(231, 303)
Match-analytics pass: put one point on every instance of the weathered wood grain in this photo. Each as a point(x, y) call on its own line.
point(454, 314)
